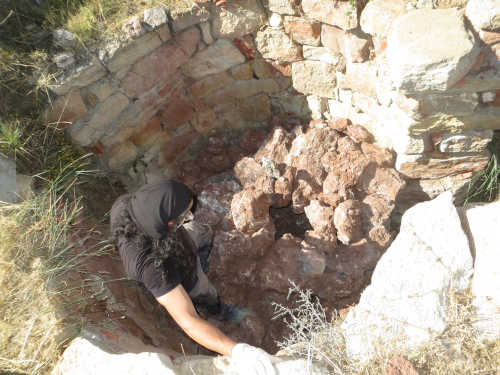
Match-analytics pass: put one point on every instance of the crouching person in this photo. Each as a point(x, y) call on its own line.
point(163, 253)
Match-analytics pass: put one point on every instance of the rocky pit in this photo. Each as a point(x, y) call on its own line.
point(311, 206)
point(276, 114)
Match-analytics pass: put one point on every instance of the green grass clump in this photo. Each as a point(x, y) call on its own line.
point(484, 186)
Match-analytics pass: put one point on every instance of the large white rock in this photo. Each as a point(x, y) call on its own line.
point(405, 304)
point(484, 222)
point(378, 15)
point(315, 78)
point(8, 184)
point(84, 357)
point(484, 14)
point(430, 50)
point(275, 44)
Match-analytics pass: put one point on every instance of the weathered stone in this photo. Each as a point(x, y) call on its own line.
point(314, 78)
point(275, 44)
point(455, 104)
point(358, 133)
point(276, 148)
point(247, 171)
point(155, 17)
point(242, 72)
point(64, 60)
point(483, 221)
point(255, 108)
point(342, 14)
point(243, 89)
point(149, 134)
point(356, 47)
point(238, 18)
point(104, 114)
point(206, 34)
point(188, 15)
point(64, 38)
point(283, 6)
point(8, 186)
point(415, 65)
point(164, 33)
point(275, 20)
point(250, 210)
point(208, 85)
point(437, 166)
point(333, 38)
point(382, 157)
point(488, 80)
point(359, 77)
point(160, 65)
point(179, 111)
point(122, 155)
point(347, 219)
point(321, 54)
point(67, 109)
point(217, 58)
point(376, 217)
point(79, 76)
point(399, 366)
point(470, 141)
point(378, 16)
point(320, 217)
point(177, 145)
point(405, 312)
point(303, 31)
point(484, 14)
point(317, 105)
point(99, 91)
point(205, 120)
point(383, 181)
point(451, 3)
point(133, 27)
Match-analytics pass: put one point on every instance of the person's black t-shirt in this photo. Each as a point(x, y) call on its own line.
point(139, 262)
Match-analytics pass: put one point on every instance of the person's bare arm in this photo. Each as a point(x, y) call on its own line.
point(180, 307)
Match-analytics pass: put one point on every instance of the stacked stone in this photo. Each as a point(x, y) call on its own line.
point(172, 79)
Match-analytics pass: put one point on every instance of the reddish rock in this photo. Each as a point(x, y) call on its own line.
point(347, 220)
point(178, 112)
point(303, 31)
point(250, 210)
point(176, 146)
point(383, 181)
point(320, 217)
point(379, 155)
point(149, 134)
point(252, 139)
point(358, 134)
point(247, 171)
point(344, 166)
point(160, 65)
point(67, 109)
point(320, 241)
point(283, 188)
point(305, 189)
point(245, 48)
point(339, 13)
point(338, 123)
point(276, 148)
point(399, 366)
point(312, 261)
point(280, 265)
point(376, 215)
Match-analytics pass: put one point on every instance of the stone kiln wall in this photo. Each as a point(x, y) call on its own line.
point(425, 82)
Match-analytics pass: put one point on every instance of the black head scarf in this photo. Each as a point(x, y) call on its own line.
point(154, 205)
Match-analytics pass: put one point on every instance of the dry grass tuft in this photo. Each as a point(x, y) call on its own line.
point(458, 351)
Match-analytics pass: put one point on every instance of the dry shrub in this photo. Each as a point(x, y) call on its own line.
point(457, 351)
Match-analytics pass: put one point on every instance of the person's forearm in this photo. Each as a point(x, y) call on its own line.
point(209, 336)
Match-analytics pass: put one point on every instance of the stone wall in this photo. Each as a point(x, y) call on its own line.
point(425, 82)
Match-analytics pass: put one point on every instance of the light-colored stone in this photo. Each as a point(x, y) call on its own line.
point(417, 65)
point(244, 89)
point(275, 44)
point(321, 54)
point(282, 6)
point(8, 185)
point(242, 72)
point(356, 47)
point(206, 34)
point(101, 90)
point(314, 78)
point(64, 60)
point(378, 16)
point(67, 109)
point(133, 27)
point(79, 76)
point(360, 77)
point(470, 141)
point(440, 165)
point(484, 14)
point(210, 84)
point(303, 31)
point(64, 38)
point(405, 304)
point(453, 104)
point(238, 18)
point(155, 17)
point(488, 96)
point(296, 104)
point(188, 15)
point(218, 57)
point(275, 20)
point(338, 13)
point(122, 155)
point(483, 222)
point(131, 53)
point(317, 105)
point(451, 3)
point(84, 133)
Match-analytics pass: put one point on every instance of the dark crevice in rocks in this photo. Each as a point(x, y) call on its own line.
point(286, 221)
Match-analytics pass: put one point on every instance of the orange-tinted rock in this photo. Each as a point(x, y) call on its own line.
point(250, 210)
point(400, 366)
point(347, 219)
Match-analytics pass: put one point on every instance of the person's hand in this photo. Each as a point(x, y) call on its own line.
point(217, 2)
point(249, 360)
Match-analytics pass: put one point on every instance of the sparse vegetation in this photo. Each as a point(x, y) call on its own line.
point(457, 351)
